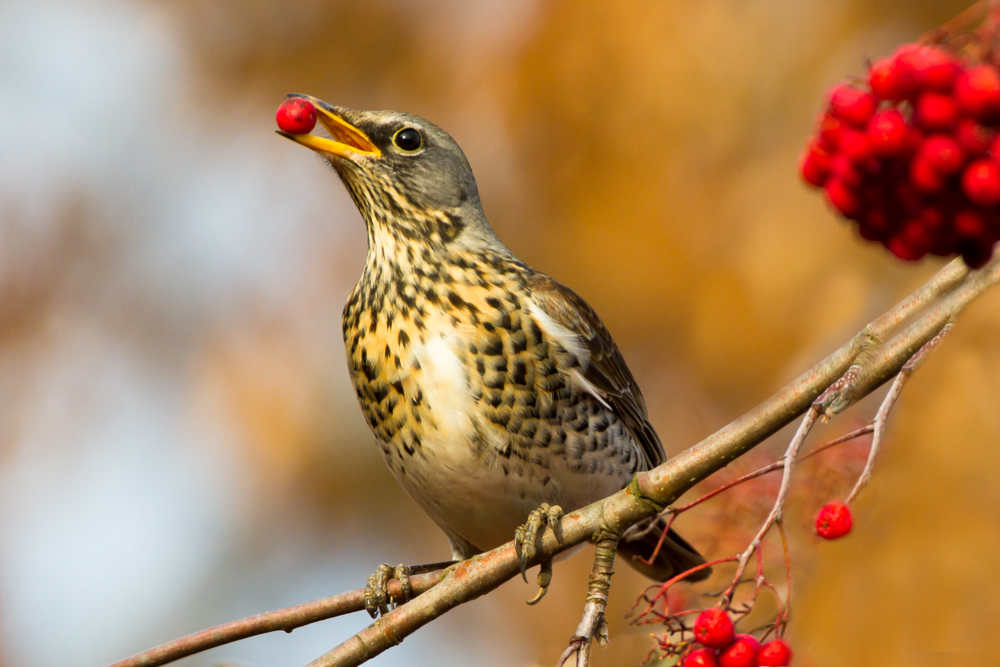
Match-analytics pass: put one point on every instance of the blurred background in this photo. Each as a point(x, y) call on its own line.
point(179, 443)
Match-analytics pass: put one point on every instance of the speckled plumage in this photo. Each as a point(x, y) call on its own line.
point(490, 387)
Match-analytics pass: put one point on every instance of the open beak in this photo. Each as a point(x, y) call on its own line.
point(347, 141)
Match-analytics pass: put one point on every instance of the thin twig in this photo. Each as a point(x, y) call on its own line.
point(286, 619)
point(791, 453)
point(878, 423)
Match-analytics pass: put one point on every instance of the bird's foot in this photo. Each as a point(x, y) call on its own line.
point(525, 538)
point(377, 588)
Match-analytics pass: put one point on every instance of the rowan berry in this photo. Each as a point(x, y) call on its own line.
point(943, 153)
point(833, 521)
point(741, 653)
point(888, 135)
point(978, 91)
point(936, 111)
point(981, 182)
point(975, 138)
point(702, 657)
point(852, 104)
point(776, 653)
point(713, 628)
point(296, 115)
point(815, 164)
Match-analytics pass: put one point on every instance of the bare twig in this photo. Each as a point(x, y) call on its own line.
point(286, 619)
point(788, 463)
point(878, 423)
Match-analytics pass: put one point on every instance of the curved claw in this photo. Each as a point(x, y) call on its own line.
point(544, 579)
point(519, 540)
point(526, 535)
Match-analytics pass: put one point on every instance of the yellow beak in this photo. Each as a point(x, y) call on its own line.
point(347, 141)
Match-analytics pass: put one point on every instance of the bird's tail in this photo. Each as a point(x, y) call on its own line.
point(675, 555)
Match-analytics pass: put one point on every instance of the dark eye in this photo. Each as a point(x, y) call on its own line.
point(408, 139)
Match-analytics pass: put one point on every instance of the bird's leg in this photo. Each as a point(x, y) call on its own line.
point(592, 624)
point(525, 538)
point(377, 599)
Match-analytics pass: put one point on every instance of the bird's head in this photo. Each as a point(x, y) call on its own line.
point(407, 176)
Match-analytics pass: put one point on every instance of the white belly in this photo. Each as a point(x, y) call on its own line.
point(460, 476)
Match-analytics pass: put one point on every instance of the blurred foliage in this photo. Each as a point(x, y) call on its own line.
point(644, 154)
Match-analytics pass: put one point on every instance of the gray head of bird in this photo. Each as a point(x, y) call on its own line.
point(407, 176)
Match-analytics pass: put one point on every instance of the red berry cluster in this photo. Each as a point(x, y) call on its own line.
point(714, 630)
point(914, 157)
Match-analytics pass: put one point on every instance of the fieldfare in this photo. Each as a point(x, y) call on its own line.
point(496, 394)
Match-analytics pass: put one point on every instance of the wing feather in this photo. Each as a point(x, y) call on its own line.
point(606, 370)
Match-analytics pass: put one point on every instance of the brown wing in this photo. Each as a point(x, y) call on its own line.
point(607, 370)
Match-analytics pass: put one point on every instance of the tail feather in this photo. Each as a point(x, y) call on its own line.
point(675, 555)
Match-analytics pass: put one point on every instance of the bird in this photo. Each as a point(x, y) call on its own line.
point(496, 395)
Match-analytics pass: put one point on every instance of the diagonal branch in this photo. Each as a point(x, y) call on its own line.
point(286, 619)
point(651, 491)
point(949, 292)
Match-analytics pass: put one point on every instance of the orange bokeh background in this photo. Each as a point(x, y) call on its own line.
point(179, 443)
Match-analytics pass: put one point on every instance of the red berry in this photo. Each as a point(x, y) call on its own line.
point(876, 224)
point(843, 168)
point(932, 68)
point(969, 224)
point(833, 521)
point(981, 182)
point(912, 242)
point(943, 153)
point(713, 628)
point(888, 134)
point(936, 111)
point(855, 145)
point(815, 165)
point(828, 129)
point(296, 115)
point(741, 653)
point(975, 138)
point(885, 80)
point(852, 104)
point(978, 91)
point(702, 657)
point(932, 218)
point(842, 198)
point(775, 653)
point(925, 177)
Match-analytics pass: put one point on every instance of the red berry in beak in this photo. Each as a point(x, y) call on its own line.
point(833, 521)
point(296, 115)
point(713, 628)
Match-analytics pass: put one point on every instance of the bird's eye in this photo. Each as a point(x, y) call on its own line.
point(408, 139)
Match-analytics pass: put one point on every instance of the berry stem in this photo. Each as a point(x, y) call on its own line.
point(878, 423)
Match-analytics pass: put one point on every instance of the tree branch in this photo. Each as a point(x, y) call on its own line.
point(651, 491)
point(871, 360)
point(272, 621)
